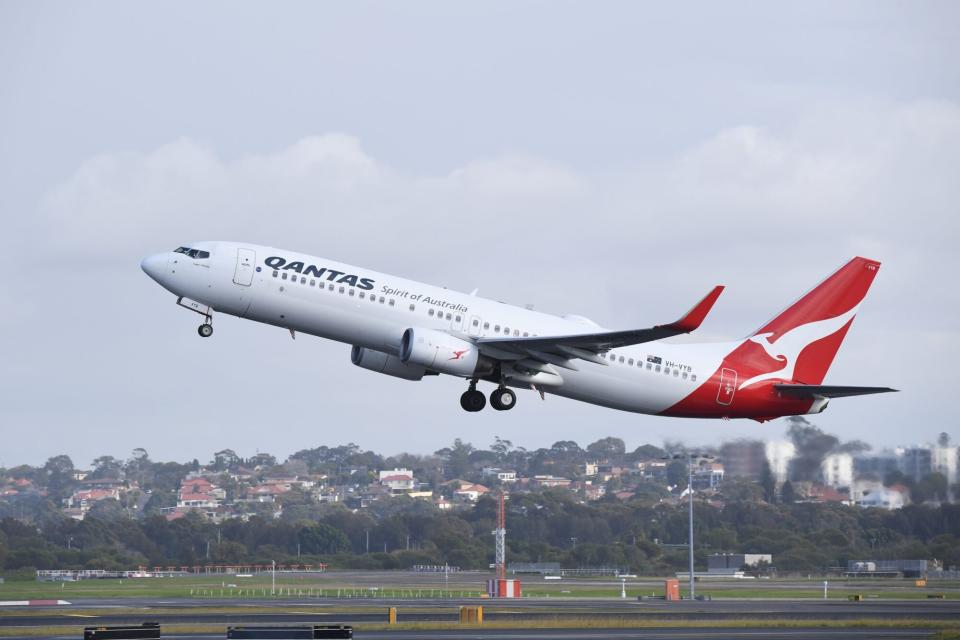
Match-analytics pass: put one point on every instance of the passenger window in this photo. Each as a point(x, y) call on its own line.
point(658, 369)
point(341, 289)
point(648, 366)
point(676, 372)
point(476, 322)
point(303, 281)
point(413, 307)
point(330, 287)
point(506, 331)
point(382, 299)
point(630, 362)
point(362, 295)
point(693, 377)
point(525, 334)
point(684, 376)
point(284, 276)
point(352, 292)
point(666, 370)
point(516, 332)
point(430, 313)
point(458, 318)
point(486, 325)
point(313, 283)
point(621, 359)
point(496, 328)
point(275, 273)
point(392, 302)
point(449, 317)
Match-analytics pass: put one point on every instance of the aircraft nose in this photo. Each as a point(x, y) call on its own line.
point(155, 266)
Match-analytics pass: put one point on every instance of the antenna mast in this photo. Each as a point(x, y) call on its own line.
point(501, 537)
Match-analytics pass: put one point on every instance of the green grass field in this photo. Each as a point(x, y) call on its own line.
point(402, 585)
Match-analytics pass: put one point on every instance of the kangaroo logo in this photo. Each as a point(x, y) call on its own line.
point(787, 347)
point(457, 355)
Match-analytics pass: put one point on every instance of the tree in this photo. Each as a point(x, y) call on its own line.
point(225, 460)
point(501, 448)
point(647, 451)
point(608, 448)
point(322, 538)
point(769, 483)
point(787, 493)
point(59, 471)
point(812, 446)
point(106, 467)
point(944, 439)
point(677, 473)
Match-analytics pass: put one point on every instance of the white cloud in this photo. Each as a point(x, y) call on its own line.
point(766, 210)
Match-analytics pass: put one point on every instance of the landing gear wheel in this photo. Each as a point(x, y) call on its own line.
point(472, 400)
point(205, 330)
point(503, 399)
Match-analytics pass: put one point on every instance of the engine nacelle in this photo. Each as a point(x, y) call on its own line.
point(385, 363)
point(444, 353)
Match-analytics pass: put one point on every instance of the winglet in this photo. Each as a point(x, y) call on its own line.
point(695, 316)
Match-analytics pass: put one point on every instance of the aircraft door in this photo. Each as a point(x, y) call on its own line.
point(246, 259)
point(474, 327)
point(728, 386)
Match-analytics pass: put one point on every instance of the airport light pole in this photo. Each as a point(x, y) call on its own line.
point(690, 458)
point(273, 579)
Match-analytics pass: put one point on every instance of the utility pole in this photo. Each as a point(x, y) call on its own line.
point(298, 549)
point(690, 502)
point(368, 540)
point(273, 580)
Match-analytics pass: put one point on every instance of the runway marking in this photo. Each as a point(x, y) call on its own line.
point(81, 615)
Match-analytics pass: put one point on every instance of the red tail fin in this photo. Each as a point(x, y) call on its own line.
point(806, 336)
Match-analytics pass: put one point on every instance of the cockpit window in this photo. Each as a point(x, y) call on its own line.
point(197, 254)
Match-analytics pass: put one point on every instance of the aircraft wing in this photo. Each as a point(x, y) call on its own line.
point(558, 350)
point(829, 391)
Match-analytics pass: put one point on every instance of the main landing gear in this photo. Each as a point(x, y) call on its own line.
point(472, 400)
point(503, 399)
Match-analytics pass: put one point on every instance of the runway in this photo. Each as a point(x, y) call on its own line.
point(614, 634)
point(552, 612)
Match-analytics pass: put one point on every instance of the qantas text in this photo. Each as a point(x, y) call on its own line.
point(276, 262)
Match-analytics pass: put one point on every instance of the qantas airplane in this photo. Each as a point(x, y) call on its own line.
point(411, 330)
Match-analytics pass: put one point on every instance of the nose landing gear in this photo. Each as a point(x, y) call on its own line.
point(206, 329)
point(473, 400)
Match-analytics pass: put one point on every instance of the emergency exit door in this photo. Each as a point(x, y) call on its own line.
point(243, 274)
point(728, 386)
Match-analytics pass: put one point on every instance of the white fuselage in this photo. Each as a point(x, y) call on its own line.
point(361, 307)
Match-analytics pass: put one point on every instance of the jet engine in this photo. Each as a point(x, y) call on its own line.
point(385, 363)
point(444, 353)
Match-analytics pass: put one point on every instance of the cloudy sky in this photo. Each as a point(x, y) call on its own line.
point(612, 160)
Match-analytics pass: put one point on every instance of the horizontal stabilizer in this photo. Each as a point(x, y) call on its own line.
point(829, 390)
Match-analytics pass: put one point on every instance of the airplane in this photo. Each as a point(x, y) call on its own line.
point(412, 330)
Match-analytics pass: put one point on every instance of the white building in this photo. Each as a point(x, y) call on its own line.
point(944, 460)
point(503, 475)
point(874, 494)
point(837, 470)
point(779, 455)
